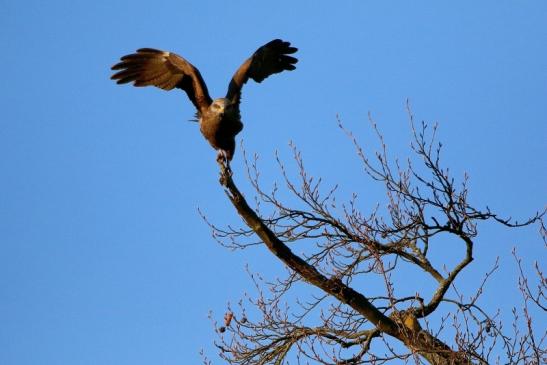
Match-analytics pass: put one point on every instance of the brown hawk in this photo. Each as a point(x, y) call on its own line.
point(219, 119)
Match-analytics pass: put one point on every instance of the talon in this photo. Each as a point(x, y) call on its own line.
point(222, 158)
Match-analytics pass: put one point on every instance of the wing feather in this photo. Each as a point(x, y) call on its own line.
point(165, 70)
point(271, 58)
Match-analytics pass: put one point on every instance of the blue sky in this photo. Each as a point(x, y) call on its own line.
point(104, 258)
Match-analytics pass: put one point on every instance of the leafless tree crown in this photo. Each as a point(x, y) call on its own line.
point(358, 312)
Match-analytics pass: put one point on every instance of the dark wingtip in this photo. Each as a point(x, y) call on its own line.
point(122, 80)
point(291, 50)
point(285, 45)
point(117, 66)
point(148, 50)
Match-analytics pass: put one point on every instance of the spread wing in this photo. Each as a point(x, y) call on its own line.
point(165, 70)
point(271, 58)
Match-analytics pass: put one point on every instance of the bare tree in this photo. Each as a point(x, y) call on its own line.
point(345, 249)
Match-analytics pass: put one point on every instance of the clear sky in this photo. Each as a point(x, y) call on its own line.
point(104, 258)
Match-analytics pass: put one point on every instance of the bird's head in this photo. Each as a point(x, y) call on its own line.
point(220, 105)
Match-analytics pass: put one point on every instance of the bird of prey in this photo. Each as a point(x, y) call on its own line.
point(219, 119)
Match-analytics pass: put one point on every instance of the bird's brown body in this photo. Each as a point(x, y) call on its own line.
point(219, 124)
point(219, 119)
